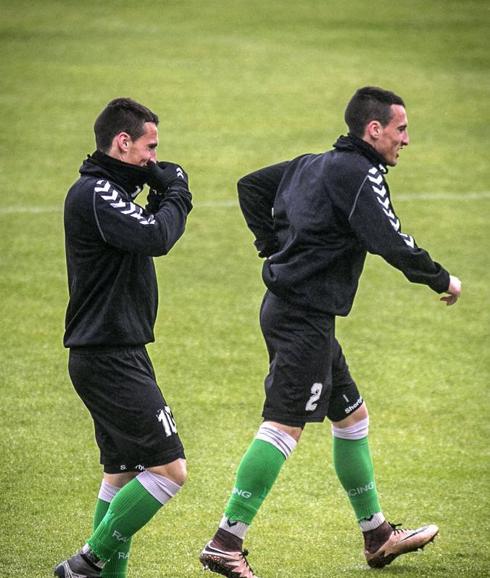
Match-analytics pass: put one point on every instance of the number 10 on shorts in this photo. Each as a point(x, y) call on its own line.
point(167, 420)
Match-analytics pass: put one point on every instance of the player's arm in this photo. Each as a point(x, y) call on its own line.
point(374, 221)
point(256, 194)
point(127, 226)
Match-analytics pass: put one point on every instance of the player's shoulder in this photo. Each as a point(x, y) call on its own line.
point(350, 167)
point(86, 192)
point(90, 187)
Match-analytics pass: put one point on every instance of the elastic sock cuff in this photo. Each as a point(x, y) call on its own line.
point(234, 527)
point(160, 487)
point(278, 438)
point(107, 491)
point(372, 522)
point(356, 431)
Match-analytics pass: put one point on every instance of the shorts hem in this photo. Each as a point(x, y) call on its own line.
point(291, 420)
point(135, 465)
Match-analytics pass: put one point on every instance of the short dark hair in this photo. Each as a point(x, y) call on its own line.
point(121, 115)
point(370, 103)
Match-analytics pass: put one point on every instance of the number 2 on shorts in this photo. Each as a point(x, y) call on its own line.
point(316, 391)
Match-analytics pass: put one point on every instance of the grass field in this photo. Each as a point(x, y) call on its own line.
point(240, 84)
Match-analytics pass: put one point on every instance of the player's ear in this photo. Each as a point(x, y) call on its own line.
point(122, 141)
point(374, 129)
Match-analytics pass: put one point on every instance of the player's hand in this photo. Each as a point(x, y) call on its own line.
point(453, 291)
point(153, 201)
point(266, 247)
point(163, 175)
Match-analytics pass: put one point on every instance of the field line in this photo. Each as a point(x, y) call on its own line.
point(227, 203)
point(473, 196)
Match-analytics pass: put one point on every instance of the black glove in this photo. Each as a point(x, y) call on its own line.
point(153, 201)
point(266, 247)
point(163, 175)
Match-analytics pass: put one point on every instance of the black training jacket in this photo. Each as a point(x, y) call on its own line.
point(110, 242)
point(316, 216)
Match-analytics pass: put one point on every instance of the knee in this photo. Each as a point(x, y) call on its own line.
point(354, 427)
point(175, 471)
point(119, 480)
point(180, 475)
point(293, 431)
point(361, 413)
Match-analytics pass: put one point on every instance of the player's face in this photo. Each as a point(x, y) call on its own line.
point(144, 148)
point(394, 136)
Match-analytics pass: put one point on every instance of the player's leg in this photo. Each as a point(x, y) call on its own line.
point(354, 467)
point(135, 430)
point(117, 567)
point(256, 474)
point(134, 506)
point(355, 470)
point(291, 401)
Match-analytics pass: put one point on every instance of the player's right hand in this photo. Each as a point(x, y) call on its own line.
point(453, 291)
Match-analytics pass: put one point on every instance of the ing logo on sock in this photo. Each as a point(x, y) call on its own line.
point(242, 493)
point(358, 491)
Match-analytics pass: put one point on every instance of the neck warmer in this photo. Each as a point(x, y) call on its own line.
point(354, 143)
point(131, 178)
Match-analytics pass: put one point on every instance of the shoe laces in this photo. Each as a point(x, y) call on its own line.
point(397, 529)
point(244, 554)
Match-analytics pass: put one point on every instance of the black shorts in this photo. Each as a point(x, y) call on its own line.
point(308, 376)
point(134, 426)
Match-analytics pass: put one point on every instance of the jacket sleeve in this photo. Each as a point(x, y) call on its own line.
point(127, 226)
point(378, 228)
point(256, 194)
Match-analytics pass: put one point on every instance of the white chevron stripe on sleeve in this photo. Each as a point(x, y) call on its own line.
point(116, 202)
point(131, 209)
point(389, 213)
point(103, 189)
point(408, 240)
point(377, 180)
point(379, 191)
point(385, 203)
point(112, 197)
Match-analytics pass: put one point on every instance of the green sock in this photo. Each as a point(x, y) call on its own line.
point(117, 567)
point(131, 508)
point(354, 467)
point(256, 475)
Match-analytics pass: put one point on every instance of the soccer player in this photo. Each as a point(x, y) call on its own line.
point(110, 245)
point(314, 218)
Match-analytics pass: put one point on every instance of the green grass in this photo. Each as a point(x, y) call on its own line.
point(238, 85)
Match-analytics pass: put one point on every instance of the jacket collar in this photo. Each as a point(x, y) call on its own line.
point(354, 143)
point(131, 178)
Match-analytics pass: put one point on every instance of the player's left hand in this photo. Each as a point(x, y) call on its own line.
point(164, 174)
point(453, 291)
